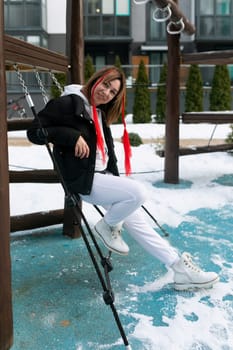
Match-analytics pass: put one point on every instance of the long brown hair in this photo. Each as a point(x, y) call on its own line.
point(113, 108)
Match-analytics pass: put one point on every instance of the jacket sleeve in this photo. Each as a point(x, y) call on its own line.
point(55, 124)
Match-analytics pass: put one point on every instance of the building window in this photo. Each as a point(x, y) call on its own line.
point(207, 26)
point(108, 7)
point(15, 16)
point(93, 26)
point(223, 27)
point(108, 18)
point(24, 14)
point(122, 26)
point(223, 7)
point(122, 7)
point(108, 25)
point(34, 39)
point(157, 30)
point(94, 7)
point(207, 7)
point(215, 20)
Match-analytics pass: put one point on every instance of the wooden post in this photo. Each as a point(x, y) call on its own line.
point(75, 52)
point(6, 322)
point(171, 174)
point(75, 41)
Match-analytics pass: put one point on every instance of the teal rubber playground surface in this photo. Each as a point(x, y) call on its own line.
point(58, 302)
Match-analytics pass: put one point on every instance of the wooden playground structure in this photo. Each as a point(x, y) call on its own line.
point(27, 57)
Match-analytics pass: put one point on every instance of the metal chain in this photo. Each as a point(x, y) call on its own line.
point(162, 14)
point(56, 82)
point(21, 80)
point(41, 86)
point(24, 87)
point(180, 23)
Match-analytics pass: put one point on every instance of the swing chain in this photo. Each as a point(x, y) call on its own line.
point(179, 23)
point(41, 86)
point(23, 85)
point(21, 80)
point(164, 12)
point(56, 82)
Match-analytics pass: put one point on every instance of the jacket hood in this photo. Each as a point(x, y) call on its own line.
point(76, 90)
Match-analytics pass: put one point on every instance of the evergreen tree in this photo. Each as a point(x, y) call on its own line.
point(194, 90)
point(220, 94)
point(141, 107)
point(89, 68)
point(161, 96)
point(118, 62)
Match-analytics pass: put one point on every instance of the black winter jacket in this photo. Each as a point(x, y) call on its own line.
point(64, 120)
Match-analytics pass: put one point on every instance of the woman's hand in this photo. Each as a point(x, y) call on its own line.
point(81, 148)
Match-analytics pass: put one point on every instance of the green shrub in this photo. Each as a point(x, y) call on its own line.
point(194, 90)
point(229, 138)
point(89, 68)
point(135, 139)
point(161, 96)
point(220, 95)
point(141, 107)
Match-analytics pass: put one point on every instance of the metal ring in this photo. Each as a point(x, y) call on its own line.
point(163, 10)
point(180, 22)
point(140, 2)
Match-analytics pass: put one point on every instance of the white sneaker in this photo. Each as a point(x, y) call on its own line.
point(111, 237)
point(189, 276)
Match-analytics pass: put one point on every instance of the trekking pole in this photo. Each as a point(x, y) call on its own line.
point(166, 234)
point(72, 201)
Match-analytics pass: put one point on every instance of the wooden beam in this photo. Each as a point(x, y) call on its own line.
point(207, 117)
point(35, 220)
point(18, 124)
point(47, 218)
point(208, 57)
point(186, 151)
point(33, 176)
point(205, 149)
point(29, 56)
point(6, 319)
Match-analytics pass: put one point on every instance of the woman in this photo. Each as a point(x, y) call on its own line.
point(77, 124)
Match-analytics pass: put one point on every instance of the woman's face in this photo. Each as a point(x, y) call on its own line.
point(106, 91)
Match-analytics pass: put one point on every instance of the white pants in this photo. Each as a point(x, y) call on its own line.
point(122, 198)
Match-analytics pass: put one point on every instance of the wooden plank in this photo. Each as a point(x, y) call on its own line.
point(6, 319)
point(33, 176)
point(207, 117)
point(47, 218)
point(35, 220)
point(29, 56)
point(200, 149)
point(210, 57)
point(18, 124)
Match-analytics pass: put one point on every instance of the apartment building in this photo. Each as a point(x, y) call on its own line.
point(125, 28)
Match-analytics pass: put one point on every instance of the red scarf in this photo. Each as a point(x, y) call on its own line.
point(126, 141)
point(99, 136)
